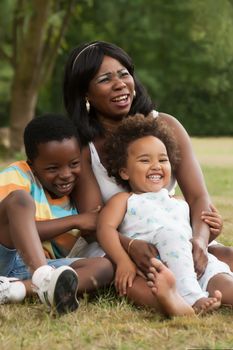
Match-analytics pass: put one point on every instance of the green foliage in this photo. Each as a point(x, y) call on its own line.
point(182, 52)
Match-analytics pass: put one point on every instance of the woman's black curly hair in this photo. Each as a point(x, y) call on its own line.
point(131, 129)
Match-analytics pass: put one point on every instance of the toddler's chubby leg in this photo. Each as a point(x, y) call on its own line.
point(205, 305)
point(175, 303)
point(224, 283)
point(162, 286)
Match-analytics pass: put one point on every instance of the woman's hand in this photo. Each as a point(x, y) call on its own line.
point(125, 275)
point(141, 252)
point(214, 220)
point(200, 258)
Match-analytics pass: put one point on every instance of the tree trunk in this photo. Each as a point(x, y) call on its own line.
point(35, 46)
point(26, 80)
point(21, 112)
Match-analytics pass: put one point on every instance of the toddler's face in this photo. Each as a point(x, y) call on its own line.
point(57, 166)
point(148, 168)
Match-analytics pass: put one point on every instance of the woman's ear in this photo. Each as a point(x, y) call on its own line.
point(124, 174)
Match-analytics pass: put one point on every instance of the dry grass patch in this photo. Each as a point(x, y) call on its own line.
point(214, 151)
point(112, 324)
point(106, 325)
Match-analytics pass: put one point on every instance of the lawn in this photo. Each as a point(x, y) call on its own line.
point(109, 323)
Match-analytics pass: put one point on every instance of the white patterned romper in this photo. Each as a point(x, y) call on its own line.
point(164, 222)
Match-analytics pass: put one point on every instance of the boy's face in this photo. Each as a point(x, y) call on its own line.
point(57, 166)
point(148, 168)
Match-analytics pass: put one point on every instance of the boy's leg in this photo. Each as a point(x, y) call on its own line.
point(18, 230)
point(93, 273)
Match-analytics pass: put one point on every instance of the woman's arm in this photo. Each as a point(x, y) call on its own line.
point(190, 179)
point(214, 221)
point(140, 252)
point(87, 193)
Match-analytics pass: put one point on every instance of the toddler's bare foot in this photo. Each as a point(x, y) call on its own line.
point(163, 285)
point(204, 305)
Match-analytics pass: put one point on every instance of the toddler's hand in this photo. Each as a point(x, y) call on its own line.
point(124, 277)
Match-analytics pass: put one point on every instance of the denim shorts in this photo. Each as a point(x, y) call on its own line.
point(12, 265)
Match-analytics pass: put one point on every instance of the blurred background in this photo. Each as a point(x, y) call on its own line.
point(182, 50)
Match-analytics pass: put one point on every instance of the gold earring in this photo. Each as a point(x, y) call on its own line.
point(134, 94)
point(87, 106)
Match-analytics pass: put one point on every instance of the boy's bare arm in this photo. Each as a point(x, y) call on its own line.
point(49, 229)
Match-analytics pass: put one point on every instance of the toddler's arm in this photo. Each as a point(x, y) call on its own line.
point(109, 219)
point(140, 252)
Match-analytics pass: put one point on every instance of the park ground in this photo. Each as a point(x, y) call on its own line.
point(110, 323)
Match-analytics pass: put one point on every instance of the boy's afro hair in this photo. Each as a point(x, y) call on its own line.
point(46, 128)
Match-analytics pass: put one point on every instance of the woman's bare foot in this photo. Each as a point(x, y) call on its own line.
point(204, 305)
point(163, 285)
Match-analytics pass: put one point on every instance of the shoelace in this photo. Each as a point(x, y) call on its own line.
point(4, 286)
point(44, 284)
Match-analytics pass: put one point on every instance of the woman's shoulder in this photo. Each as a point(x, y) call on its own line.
point(166, 117)
point(163, 116)
point(171, 121)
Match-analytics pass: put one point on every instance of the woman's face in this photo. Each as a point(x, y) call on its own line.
point(111, 90)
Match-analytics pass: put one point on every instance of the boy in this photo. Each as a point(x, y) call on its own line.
point(36, 207)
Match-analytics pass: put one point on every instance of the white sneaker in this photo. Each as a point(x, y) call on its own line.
point(57, 288)
point(12, 290)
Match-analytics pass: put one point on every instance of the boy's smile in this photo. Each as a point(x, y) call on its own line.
point(57, 166)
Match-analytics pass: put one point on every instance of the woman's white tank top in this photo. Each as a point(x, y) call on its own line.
point(108, 185)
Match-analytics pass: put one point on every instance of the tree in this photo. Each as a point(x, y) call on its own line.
point(38, 28)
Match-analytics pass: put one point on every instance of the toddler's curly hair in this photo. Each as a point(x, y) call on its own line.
point(131, 129)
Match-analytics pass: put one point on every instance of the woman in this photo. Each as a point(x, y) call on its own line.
point(100, 88)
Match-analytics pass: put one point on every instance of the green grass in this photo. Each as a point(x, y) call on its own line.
point(110, 323)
